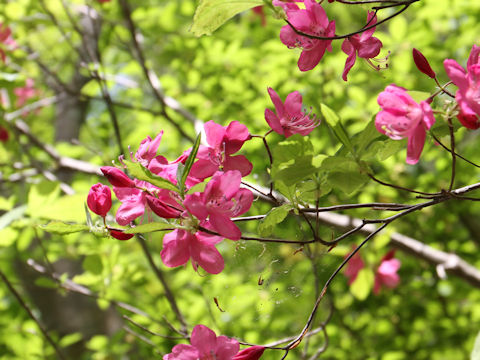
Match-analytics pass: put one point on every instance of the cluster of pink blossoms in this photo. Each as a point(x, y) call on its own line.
point(206, 345)
point(6, 41)
point(312, 20)
point(385, 275)
point(402, 117)
point(203, 219)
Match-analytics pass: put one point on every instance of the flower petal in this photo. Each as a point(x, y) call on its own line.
point(176, 248)
point(207, 256)
point(204, 340)
point(226, 348)
point(416, 141)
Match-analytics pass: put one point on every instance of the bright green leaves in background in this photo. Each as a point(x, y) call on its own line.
point(211, 14)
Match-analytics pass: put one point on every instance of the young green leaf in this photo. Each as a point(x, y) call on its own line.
point(211, 14)
point(136, 170)
point(188, 164)
point(150, 227)
point(61, 228)
point(334, 122)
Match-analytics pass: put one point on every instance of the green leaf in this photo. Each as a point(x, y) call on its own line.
point(188, 164)
point(14, 214)
point(293, 160)
point(344, 173)
point(150, 227)
point(139, 172)
point(363, 284)
point(61, 228)
point(275, 216)
point(93, 264)
point(333, 121)
point(211, 14)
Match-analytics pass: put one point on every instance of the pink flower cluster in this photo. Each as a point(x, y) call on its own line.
point(309, 23)
point(468, 82)
point(203, 219)
point(206, 345)
point(402, 117)
point(385, 275)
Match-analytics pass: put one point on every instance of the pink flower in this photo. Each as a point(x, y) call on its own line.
point(354, 265)
point(468, 82)
point(147, 150)
point(117, 177)
point(25, 93)
point(313, 21)
point(289, 118)
point(364, 44)
point(99, 199)
point(402, 117)
point(251, 353)
point(387, 272)
point(181, 245)
point(223, 142)
point(221, 200)
point(205, 345)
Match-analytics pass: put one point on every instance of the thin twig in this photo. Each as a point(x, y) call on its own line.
point(32, 316)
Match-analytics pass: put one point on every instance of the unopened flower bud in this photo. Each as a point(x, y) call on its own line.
point(99, 199)
point(117, 177)
point(120, 235)
point(422, 64)
point(162, 209)
point(251, 353)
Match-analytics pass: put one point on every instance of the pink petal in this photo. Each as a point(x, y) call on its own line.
point(130, 209)
point(176, 248)
point(277, 102)
point(203, 169)
point(223, 185)
point(416, 141)
point(195, 205)
point(207, 256)
point(367, 34)
point(474, 58)
point(369, 48)
point(428, 118)
point(310, 58)
point(273, 121)
point(456, 73)
point(224, 226)
point(244, 200)
point(215, 134)
point(319, 14)
point(289, 37)
point(348, 64)
point(236, 135)
point(204, 340)
point(182, 352)
point(226, 348)
point(239, 162)
point(293, 103)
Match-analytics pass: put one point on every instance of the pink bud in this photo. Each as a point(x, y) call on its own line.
point(117, 177)
point(120, 235)
point(422, 64)
point(251, 353)
point(470, 120)
point(162, 209)
point(99, 199)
